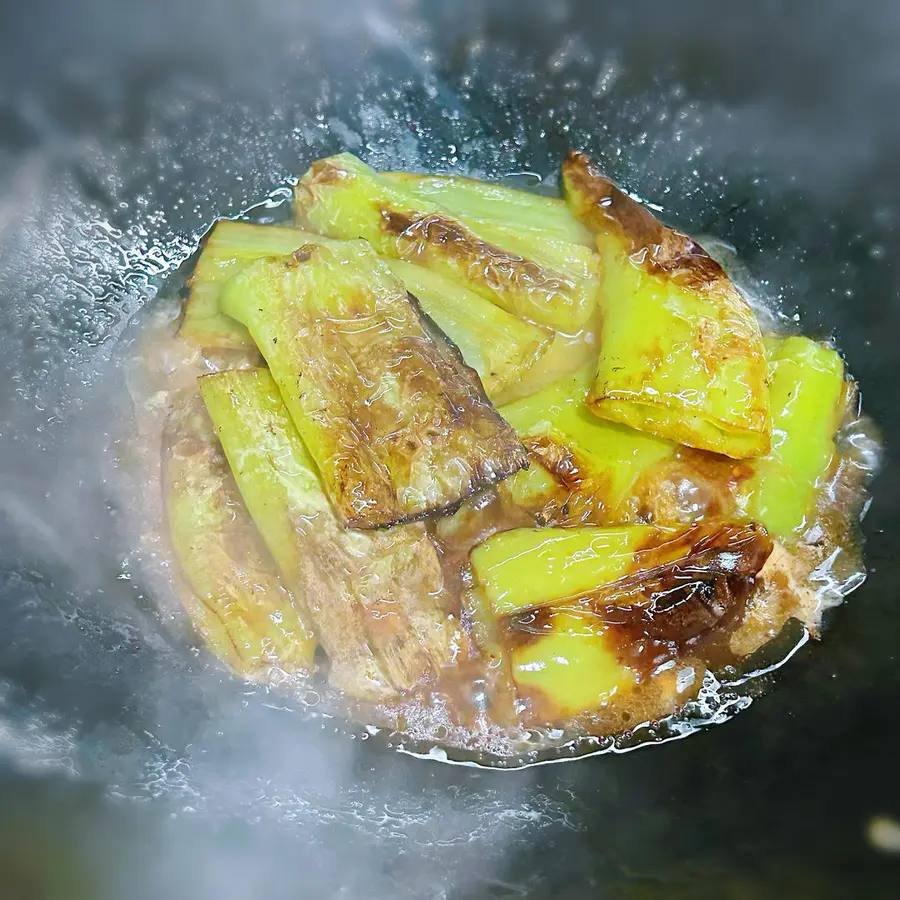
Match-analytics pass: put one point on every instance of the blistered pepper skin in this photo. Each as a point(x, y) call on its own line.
point(243, 610)
point(682, 354)
point(373, 597)
point(397, 425)
point(526, 214)
point(499, 346)
point(546, 280)
point(229, 248)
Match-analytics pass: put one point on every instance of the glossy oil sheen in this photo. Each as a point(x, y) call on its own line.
point(500, 745)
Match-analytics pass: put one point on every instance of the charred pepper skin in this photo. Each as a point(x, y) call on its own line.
point(531, 567)
point(589, 614)
point(397, 424)
point(499, 346)
point(543, 279)
point(527, 215)
point(373, 597)
point(682, 354)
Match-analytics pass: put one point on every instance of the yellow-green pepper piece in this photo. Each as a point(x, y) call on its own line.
point(600, 461)
point(499, 346)
point(675, 589)
point(243, 611)
point(808, 393)
point(681, 355)
point(572, 668)
point(529, 567)
point(398, 426)
point(546, 280)
point(523, 211)
point(374, 597)
point(229, 248)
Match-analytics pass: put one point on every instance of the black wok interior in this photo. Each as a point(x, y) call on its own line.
point(130, 766)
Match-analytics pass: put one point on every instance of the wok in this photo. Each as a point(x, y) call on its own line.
point(130, 764)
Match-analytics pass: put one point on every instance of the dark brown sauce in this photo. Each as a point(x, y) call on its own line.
point(456, 535)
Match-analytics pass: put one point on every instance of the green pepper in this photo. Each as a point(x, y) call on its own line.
point(229, 248)
point(613, 463)
point(586, 611)
point(524, 212)
point(374, 597)
point(571, 668)
point(596, 463)
point(550, 281)
point(527, 568)
point(808, 393)
point(499, 346)
point(396, 423)
point(575, 668)
point(681, 356)
point(531, 567)
point(242, 609)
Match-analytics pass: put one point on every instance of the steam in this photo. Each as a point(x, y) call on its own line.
point(99, 208)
